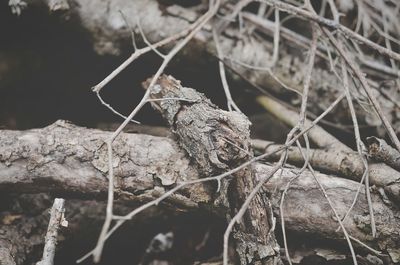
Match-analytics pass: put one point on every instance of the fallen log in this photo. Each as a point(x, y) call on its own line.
point(307, 211)
point(64, 159)
point(339, 162)
point(70, 167)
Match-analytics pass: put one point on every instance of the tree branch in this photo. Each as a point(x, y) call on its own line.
point(67, 160)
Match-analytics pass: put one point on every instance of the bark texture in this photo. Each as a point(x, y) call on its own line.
point(218, 141)
point(64, 159)
point(306, 210)
point(343, 163)
point(379, 150)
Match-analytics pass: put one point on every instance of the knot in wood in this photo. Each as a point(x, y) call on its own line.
point(215, 139)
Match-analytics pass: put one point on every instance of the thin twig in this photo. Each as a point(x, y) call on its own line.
point(109, 210)
point(130, 29)
point(230, 103)
point(108, 106)
point(365, 85)
point(139, 52)
point(291, 9)
point(359, 147)
point(277, 34)
point(217, 178)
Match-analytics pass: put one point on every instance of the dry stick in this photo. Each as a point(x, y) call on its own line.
point(109, 211)
point(379, 150)
point(334, 211)
point(305, 157)
point(348, 33)
point(365, 85)
point(331, 24)
point(130, 29)
point(112, 109)
point(231, 16)
point(304, 42)
point(279, 165)
point(217, 29)
point(253, 193)
point(135, 49)
point(334, 10)
point(340, 127)
point(281, 208)
point(389, 46)
point(307, 78)
point(359, 150)
point(56, 219)
point(374, 251)
point(359, 143)
point(269, 71)
point(300, 125)
point(230, 103)
point(275, 53)
point(318, 135)
point(214, 178)
point(154, 49)
point(139, 52)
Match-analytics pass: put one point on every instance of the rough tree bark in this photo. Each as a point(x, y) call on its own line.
point(343, 163)
point(72, 170)
point(218, 141)
point(65, 159)
point(139, 180)
point(70, 161)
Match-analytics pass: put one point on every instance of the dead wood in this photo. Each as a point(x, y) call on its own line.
point(64, 159)
point(217, 141)
point(306, 209)
point(110, 34)
point(56, 221)
point(339, 162)
point(379, 150)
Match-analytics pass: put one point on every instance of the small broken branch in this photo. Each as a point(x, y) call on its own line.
point(56, 220)
point(380, 151)
point(318, 135)
point(341, 163)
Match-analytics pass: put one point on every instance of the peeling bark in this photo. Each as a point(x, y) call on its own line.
point(64, 159)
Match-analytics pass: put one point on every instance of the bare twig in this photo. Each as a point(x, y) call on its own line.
point(365, 85)
point(318, 135)
point(230, 103)
point(291, 9)
point(336, 215)
point(139, 52)
point(360, 148)
point(217, 178)
point(109, 210)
